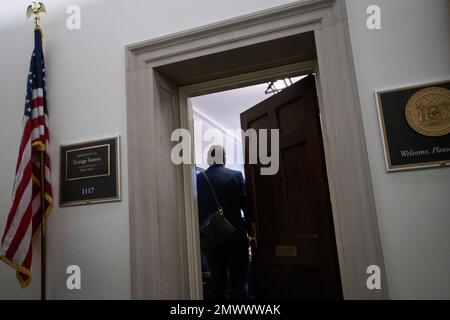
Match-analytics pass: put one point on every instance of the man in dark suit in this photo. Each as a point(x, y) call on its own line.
point(233, 256)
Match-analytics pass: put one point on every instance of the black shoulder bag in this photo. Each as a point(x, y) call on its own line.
point(216, 229)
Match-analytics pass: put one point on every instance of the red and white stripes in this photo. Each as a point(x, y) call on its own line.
point(25, 215)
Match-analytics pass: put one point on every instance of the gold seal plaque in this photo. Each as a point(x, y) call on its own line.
point(428, 112)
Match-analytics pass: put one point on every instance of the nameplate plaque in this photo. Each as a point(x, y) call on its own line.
point(90, 172)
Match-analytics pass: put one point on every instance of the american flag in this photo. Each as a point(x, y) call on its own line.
point(25, 216)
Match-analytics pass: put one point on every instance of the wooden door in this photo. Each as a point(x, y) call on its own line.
point(296, 255)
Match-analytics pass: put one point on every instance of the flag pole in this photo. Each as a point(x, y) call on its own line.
point(43, 232)
point(35, 9)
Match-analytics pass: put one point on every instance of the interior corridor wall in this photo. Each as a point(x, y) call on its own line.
point(86, 97)
point(413, 47)
point(207, 132)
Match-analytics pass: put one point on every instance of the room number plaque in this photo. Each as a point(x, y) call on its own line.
point(90, 172)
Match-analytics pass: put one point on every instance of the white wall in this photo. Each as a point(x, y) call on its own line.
point(413, 207)
point(220, 112)
point(209, 131)
point(86, 94)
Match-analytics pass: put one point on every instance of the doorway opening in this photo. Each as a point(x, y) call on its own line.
point(292, 252)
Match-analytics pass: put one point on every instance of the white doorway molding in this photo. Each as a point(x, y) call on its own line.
point(163, 227)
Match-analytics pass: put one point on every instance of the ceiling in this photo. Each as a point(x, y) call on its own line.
point(225, 107)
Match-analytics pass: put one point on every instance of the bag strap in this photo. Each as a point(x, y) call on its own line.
point(219, 207)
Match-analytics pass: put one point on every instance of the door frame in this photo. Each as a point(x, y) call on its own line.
point(353, 205)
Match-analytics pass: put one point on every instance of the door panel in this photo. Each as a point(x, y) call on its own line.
point(296, 255)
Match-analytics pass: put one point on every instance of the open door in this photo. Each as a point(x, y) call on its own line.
point(296, 256)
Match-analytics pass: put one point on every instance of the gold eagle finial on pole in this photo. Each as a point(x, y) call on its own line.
point(35, 9)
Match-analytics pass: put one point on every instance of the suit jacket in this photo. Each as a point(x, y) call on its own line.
point(230, 190)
